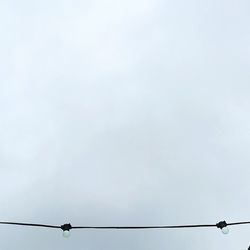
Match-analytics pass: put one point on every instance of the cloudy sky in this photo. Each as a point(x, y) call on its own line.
point(124, 113)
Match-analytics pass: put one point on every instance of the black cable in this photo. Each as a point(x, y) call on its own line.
point(144, 227)
point(238, 223)
point(68, 227)
point(27, 224)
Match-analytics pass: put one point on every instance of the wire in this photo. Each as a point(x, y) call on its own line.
point(238, 223)
point(68, 227)
point(27, 224)
point(145, 227)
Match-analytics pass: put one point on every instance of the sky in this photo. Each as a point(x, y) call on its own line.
point(124, 113)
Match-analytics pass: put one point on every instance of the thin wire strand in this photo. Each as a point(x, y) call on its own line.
point(238, 223)
point(27, 224)
point(143, 227)
point(123, 227)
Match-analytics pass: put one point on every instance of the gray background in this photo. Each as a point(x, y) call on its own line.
point(128, 112)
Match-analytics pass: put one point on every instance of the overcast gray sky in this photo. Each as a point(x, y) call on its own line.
point(128, 112)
